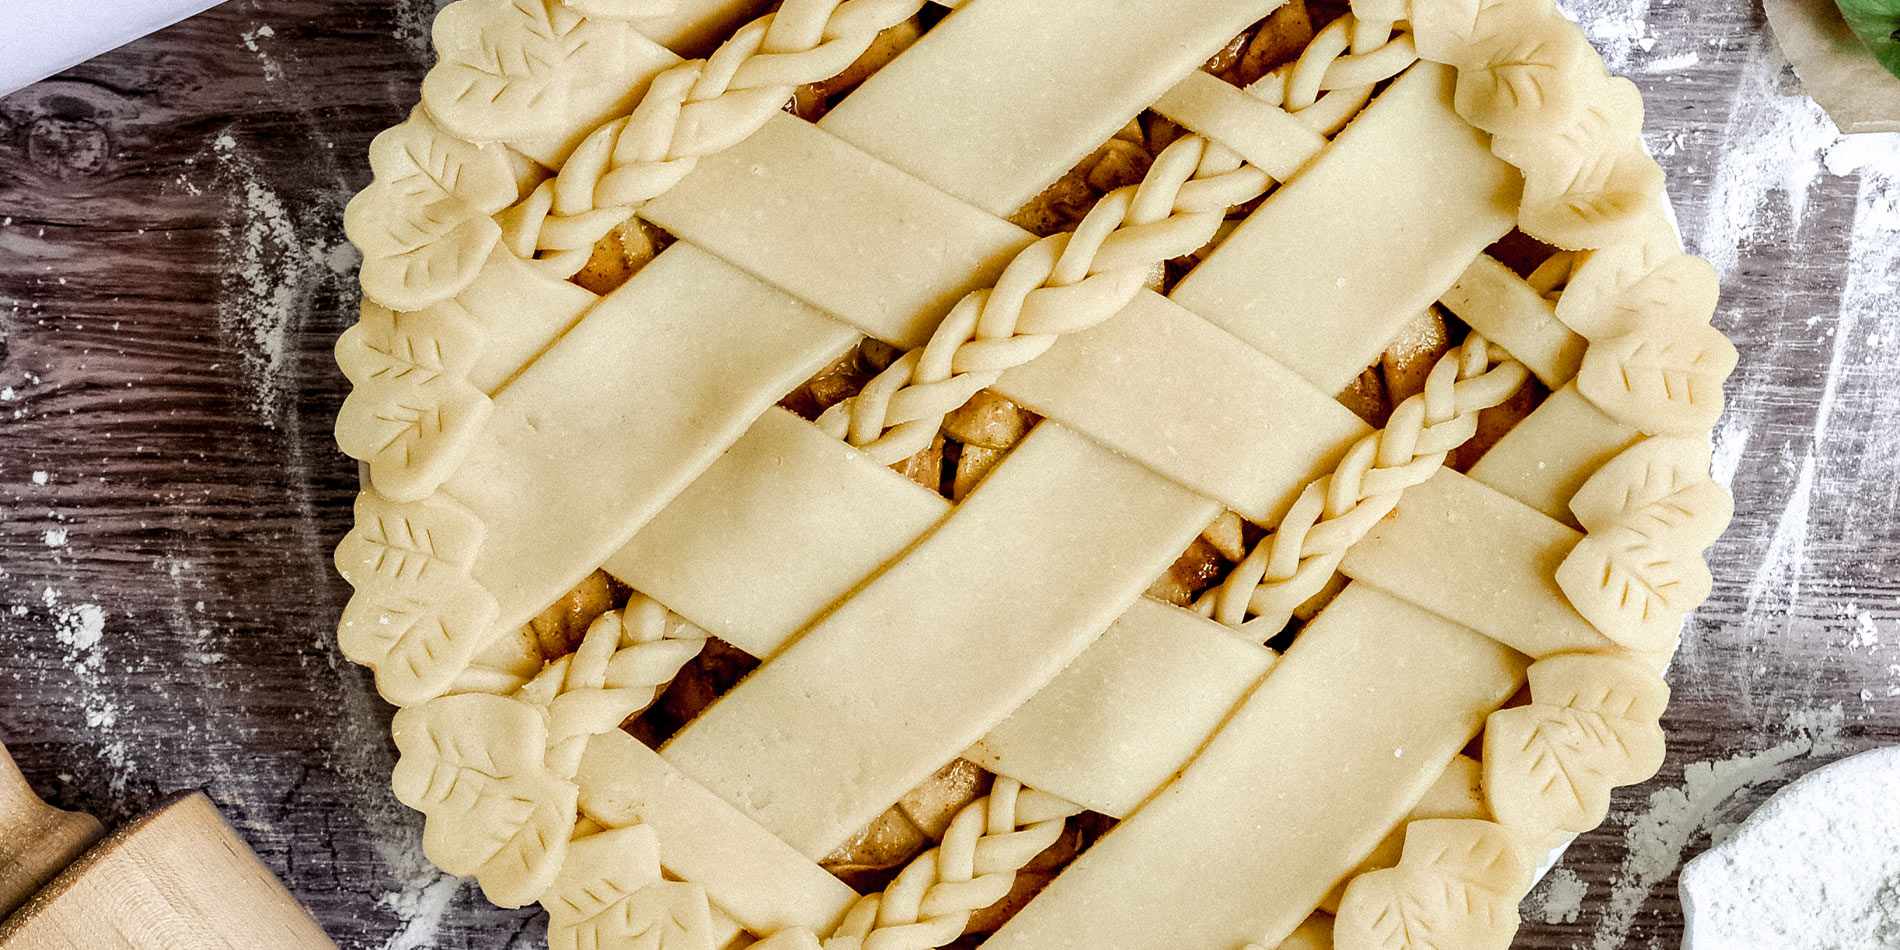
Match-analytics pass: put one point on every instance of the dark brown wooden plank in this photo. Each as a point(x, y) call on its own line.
point(173, 275)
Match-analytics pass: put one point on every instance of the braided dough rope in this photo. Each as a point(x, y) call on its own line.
point(493, 774)
point(932, 899)
point(1294, 562)
point(692, 110)
point(1063, 283)
point(1334, 77)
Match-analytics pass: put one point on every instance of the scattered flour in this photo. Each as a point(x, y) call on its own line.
point(273, 71)
point(1672, 64)
point(1658, 836)
point(1730, 438)
point(1559, 898)
point(54, 537)
point(274, 264)
point(413, 21)
point(1776, 148)
point(1779, 575)
point(1790, 878)
point(1617, 28)
point(420, 903)
point(81, 629)
point(40, 478)
point(1865, 633)
point(1773, 143)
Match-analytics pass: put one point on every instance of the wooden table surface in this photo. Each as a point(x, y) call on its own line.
point(173, 274)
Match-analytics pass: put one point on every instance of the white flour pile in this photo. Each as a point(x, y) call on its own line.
point(1815, 868)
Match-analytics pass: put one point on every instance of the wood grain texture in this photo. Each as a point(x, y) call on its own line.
point(173, 275)
point(37, 841)
point(178, 877)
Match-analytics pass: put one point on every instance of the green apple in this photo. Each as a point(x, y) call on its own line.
point(1877, 23)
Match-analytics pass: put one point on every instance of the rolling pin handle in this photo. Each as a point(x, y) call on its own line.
point(37, 841)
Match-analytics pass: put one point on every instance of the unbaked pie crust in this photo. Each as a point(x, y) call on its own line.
point(603, 283)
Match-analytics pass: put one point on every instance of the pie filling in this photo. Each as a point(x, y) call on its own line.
point(1268, 534)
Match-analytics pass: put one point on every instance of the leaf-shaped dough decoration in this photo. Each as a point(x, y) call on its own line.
point(1590, 204)
point(1625, 285)
point(1662, 378)
point(1659, 488)
point(418, 159)
point(413, 348)
point(666, 915)
point(791, 938)
point(1587, 182)
point(416, 617)
point(472, 764)
point(1461, 32)
point(528, 820)
point(417, 253)
point(1592, 725)
point(592, 903)
point(1525, 82)
point(1456, 888)
point(1633, 591)
point(479, 733)
point(505, 68)
point(412, 414)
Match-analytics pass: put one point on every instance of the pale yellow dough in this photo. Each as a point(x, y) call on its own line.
point(1509, 312)
point(1154, 383)
point(520, 311)
point(895, 253)
point(1492, 565)
point(1185, 398)
point(747, 871)
point(784, 525)
point(688, 27)
point(1300, 785)
point(1591, 725)
point(569, 75)
point(1458, 793)
point(1459, 881)
point(1548, 456)
point(1002, 98)
point(1263, 133)
point(1129, 712)
point(1409, 184)
point(945, 644)
point(580, 453)
point(521, 432)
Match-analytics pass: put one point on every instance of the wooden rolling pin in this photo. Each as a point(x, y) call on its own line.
point(179, 877)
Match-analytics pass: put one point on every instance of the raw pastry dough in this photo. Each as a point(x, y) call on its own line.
point(1130, 712)
point(1547, 457)
point(563, 475)
point(784, 525)
point(1291, 795)
point(1426, 197)
point(520, 432)
point(819, 741)
point(1493, 565)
